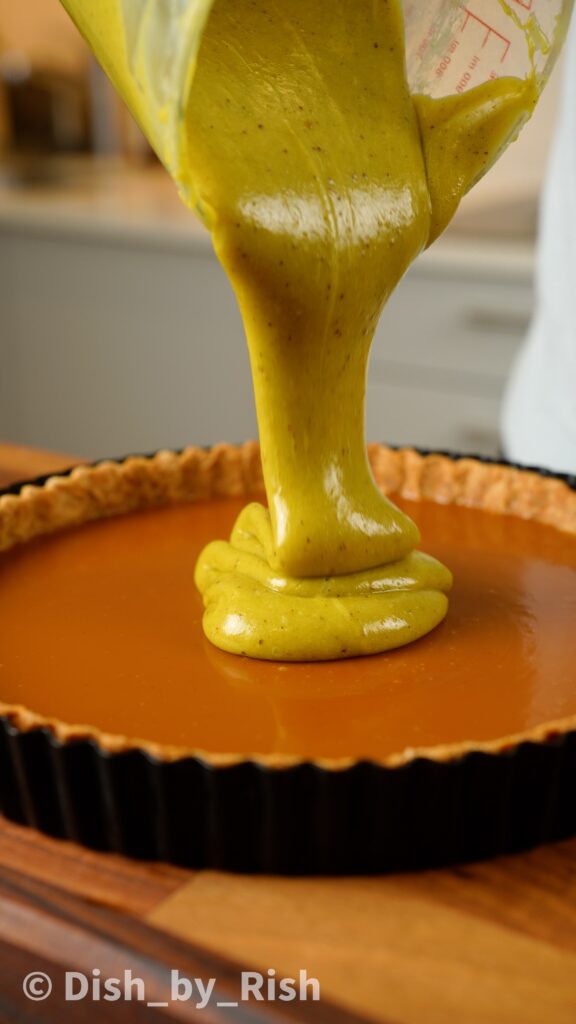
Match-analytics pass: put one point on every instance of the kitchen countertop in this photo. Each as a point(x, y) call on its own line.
point(108, 201)
point(103, 197)
point(485, 943)
point(19, 463)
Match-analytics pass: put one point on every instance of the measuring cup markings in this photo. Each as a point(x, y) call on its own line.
point(490, 31)
point(470, 19)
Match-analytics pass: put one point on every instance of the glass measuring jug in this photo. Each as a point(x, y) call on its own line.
point(452, 46)
point(149, 48)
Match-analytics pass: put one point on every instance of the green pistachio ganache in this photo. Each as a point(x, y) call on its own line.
point(290, 128)
point(321, 179)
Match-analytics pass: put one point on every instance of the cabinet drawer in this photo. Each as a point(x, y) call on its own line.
point(454, 325)
point(403, 415)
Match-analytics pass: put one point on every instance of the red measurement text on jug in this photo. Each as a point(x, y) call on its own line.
point(486, 44)
point(446, 60)
point(488, 31)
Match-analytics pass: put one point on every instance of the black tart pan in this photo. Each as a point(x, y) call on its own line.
point(303, 818)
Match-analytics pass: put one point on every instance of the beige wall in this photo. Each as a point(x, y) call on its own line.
point(43, 31)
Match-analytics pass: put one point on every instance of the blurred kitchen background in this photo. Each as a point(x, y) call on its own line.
point(118, 329)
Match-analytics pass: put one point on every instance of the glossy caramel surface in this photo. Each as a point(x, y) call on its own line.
point(101, 625)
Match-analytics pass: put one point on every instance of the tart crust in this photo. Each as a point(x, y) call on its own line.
point(111, 488)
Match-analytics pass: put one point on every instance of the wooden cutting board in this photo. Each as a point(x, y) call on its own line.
point(491, 943)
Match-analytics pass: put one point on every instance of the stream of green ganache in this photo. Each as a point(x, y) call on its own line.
point(321, 179)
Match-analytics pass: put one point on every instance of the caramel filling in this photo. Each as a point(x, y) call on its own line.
point(100, 626)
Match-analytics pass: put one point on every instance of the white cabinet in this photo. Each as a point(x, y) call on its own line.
point(114, 341)
point(445, 345)
point(110, 346)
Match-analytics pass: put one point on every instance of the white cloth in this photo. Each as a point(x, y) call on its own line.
point(539, 413)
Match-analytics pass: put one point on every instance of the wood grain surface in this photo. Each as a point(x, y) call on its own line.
point(489, 943)
point(17, 463)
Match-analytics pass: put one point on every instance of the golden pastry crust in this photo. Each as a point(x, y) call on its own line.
point(111, 488)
